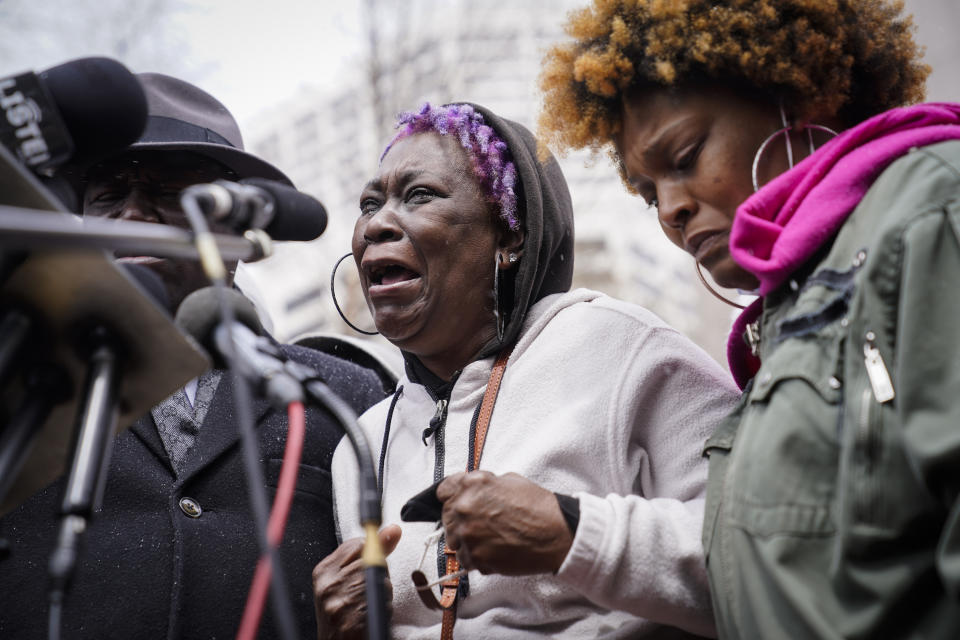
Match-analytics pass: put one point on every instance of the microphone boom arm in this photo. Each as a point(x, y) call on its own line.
point(277, 378)
point(37, 229)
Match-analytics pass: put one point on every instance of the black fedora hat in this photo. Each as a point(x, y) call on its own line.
point(181, 117)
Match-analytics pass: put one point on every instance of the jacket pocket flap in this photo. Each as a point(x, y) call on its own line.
point(310, 479)
point(815, 359)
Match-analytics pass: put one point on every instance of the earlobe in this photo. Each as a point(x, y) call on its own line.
point(506, 259)
point(510, 248)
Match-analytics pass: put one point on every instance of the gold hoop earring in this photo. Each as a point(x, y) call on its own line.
point(333, 294)
point(713, 291)
point(785, 131)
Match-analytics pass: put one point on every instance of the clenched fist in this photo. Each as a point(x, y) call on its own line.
point(503, 524)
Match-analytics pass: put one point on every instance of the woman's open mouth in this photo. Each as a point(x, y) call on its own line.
point(386, 279)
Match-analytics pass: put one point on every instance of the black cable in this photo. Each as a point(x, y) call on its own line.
point(279, 592)
point(386, 439)
point(369, 494)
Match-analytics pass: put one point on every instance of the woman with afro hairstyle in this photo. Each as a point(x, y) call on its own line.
point(773, 141)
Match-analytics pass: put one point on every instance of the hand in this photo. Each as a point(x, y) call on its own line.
point(338, 588)
point(503, 524)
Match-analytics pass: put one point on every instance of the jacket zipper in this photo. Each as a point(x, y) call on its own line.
point(438, 423)
point(438, 426)
point(438, 419)
point(867, 446)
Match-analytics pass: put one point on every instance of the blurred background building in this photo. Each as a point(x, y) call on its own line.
point(316, 86)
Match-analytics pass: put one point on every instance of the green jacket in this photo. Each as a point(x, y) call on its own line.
point(832, 508)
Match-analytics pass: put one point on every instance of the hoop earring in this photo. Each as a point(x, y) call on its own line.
point(333, 294)
point(713, 291)
point(785, 131)
point(498, 258)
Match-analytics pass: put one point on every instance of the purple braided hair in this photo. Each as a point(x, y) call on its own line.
point(489, 154)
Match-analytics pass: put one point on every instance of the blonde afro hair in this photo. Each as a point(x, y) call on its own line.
point(850, 59)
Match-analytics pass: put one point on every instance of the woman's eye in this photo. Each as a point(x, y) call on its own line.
point(368, 205)
point(419, 195)
point(688, 156)
point(651, 199)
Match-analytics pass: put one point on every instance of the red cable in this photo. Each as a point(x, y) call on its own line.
point(278, 520)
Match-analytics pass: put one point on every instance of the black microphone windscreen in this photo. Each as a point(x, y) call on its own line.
point(101, 102)
point(150, 282)
point(297, 216)
point(199, 314)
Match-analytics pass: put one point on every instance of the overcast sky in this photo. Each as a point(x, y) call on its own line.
point(262, 51)
point(251, 54)
point(248, 53)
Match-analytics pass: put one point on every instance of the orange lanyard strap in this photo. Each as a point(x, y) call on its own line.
point(448, 592)
point(486, 407)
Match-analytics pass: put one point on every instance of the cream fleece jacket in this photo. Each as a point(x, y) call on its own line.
point(600, 400)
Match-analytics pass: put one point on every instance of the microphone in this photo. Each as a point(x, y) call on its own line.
point(199, 317)
point(79, 110)
point(240, 343)
point(257, 203)
point(85, 108)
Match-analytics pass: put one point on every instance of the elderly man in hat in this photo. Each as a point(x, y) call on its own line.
point(173, 550)
point(190, 138)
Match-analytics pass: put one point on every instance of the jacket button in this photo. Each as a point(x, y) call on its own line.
point(190, 507)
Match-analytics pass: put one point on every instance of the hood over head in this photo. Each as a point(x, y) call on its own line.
point(546, 215)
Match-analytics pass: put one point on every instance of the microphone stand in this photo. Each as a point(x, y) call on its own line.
point(275, 378)
point(211, 259)
point(84, 490)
